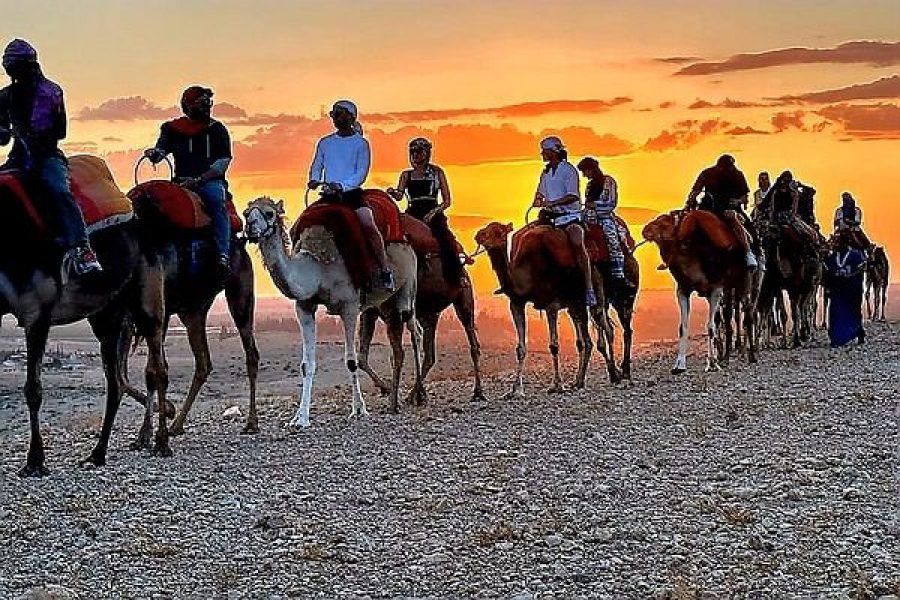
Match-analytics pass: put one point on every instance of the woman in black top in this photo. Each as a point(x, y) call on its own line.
point(423, 183)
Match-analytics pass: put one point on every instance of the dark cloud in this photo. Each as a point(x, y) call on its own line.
point(865, 121)
point(132, 108)
point(788, 120)
point(872, 53)
point(684, 134)
point(678, 60)
point(887, 87)
point(726, 103)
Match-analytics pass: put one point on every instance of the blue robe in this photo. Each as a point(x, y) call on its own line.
point(844, 269)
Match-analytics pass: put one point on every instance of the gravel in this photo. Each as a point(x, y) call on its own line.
point(776, 480)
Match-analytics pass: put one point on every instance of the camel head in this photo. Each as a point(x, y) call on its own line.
point(264, 217)
point(661, 229)
point(493, 235)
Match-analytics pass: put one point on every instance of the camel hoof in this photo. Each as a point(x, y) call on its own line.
point(578, 385)
point(514, 395)
point(678, 370)
point(177, 429)
point(556, 388)
point(162, 450)
point(298, 424)
point(478, 396)
point(34, 471)
point(713, 368)
point(752, 359)
point(141, 443)
point(384, 390)
point(95, 459)
point(251, 428)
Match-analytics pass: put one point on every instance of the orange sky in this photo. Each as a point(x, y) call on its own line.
point(819, 95)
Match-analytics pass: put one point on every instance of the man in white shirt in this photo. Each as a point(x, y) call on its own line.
point(759, 196)
point(559, 198)
point(340, 167)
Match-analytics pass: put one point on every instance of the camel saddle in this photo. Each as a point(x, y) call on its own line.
point(101, 201)
point(167, 205)
point(597, 245)
point(423, 242)
point(343, 224)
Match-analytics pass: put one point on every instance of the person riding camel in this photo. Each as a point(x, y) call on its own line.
point(423, 183)
point(340, 167)
point(559, 199)
point(201, 147)
point(848, 218)
point(725, 190)
point(601, 197)
point(32, 110)
point(783, 200)
point(760, 208)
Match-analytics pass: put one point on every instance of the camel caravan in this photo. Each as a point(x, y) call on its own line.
point(128, 262)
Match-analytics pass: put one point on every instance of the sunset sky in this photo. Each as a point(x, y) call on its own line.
point(655, 89)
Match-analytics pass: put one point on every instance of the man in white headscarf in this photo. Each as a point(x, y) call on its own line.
point(559, 199)
point(340, 167)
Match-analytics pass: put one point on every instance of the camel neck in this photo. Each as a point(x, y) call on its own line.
point(500, 264)
point(277, 261)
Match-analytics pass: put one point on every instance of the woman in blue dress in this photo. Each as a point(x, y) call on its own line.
point(844, 272)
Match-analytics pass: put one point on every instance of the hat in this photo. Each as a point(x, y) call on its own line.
point(348, 106)
point(552, 143)
point(19, 50)
point(194, 93)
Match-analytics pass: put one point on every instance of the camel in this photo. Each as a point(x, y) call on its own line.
point(189, 293)
point(531, 273)
point(434, 295)
point(32, 289)
point(312, 274)
point(699, 266)
point(792, 268)
point(877, 280)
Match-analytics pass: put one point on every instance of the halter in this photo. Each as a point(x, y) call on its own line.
point(270, 229)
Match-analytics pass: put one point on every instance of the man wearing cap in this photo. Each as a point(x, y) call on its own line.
point(559, 198)
point(601, 197)
point(32, 110)
point(340, 167)
point(725, 191)
point(201, 147)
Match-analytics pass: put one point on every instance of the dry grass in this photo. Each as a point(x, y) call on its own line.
point(501, 532)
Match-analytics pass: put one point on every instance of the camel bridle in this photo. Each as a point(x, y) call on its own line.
point(271, 227)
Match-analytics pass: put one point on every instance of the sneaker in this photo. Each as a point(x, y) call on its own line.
point(590, 298)
point(386, 280)
point(81, 261)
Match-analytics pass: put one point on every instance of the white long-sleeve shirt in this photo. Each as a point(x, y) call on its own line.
point(343, 160)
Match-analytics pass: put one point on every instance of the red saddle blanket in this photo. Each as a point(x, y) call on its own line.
point(710, 225)
point(101, 201)
point(177, 206)
point(341, 221)
point(597, 245)
point(421, 239)
point(546, 239)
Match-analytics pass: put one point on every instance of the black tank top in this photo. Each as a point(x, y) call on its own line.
point(423, 189)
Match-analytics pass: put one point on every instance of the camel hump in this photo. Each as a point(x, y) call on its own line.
point(598, 246)
point(167, 204)
point(703, 224)
point(544, 239)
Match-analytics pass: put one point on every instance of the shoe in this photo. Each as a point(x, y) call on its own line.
point(590, 298)
point(386, 280)
point(751, 261)
point(81, 261)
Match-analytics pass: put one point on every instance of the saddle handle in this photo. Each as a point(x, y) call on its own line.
point(137, 166)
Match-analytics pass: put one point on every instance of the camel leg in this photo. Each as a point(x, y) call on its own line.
point(307, 318)
point(419, 394)
point(157, 369)
point(465, 312)
point(750, 327)
point(684, 308)
point(110, 330)
point(796, 317)
point(395, 335)
point(727, 312)
point(348, 319)
point(518, 314)
point(145, 433)
point(712, 363)
point(367, 322)
point(429, 347)
point(241, 304)
point(625, 310)
point(584, 345)
point(869, 313)
point(553, 325)
point(35, 343)
point(195, 323)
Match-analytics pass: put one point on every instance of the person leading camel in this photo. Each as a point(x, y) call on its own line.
point(340, 167)
point(845, 267)
point(559, 199)
point(601, 197)
point(201, 147)
point(32, 110)
point(725, 191)
point(423, 183)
